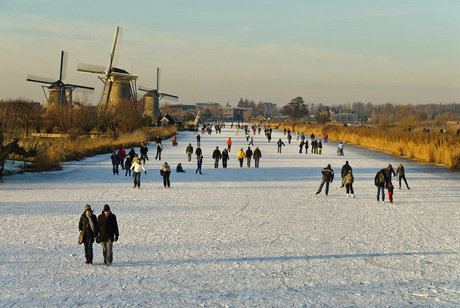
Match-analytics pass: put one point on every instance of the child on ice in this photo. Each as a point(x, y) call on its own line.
point(390, 188)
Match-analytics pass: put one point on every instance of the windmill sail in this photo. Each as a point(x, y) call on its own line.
point(59, 92)
point(119, 85)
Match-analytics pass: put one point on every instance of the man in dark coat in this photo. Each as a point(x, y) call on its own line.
point(248, 156)
point(345, 169)
point(225, 158)
point(380, 181)
point(216, 155)
point(198, 152)
point(328, 177)
point(143, 151)
point(107, 233)
point(115, 162)
point(88, 223)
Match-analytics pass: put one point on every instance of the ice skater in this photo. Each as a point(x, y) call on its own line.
point(328, 177)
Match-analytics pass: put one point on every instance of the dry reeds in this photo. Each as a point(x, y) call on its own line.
point(52, 152)
point(429, 147)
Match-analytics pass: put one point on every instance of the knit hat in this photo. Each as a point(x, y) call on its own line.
point(88, 208)
point(106, 208)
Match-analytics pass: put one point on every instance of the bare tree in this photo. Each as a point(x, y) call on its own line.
point(296, 109)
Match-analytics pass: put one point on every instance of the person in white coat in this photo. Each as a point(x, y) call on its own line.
point(137, 167)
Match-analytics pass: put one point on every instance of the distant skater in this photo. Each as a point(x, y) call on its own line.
point(248, 156)
point(402, 175)
point(280, 143)
point(257, 157)
point(241, 157)
point(380, 181)
point(328, 177)
point(165, 171)
point(345, 169)
point(199, 163)
point(348, 181)
point(137, 167)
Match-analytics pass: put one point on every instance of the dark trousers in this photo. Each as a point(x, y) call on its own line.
point(115, 169)
point(256, 162)
point(137, 179)
point(349, 188)
point(402, 177)
point(166, 181)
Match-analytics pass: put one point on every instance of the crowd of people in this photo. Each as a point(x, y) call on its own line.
point(104, 228)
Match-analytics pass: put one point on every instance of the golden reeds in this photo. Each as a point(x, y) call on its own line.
point(432, 147)
point(51, 152)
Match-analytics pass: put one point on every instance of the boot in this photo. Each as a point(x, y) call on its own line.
point(90, 260)
point(87, 260)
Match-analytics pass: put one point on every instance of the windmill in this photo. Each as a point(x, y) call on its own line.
point(60, 93)
point(119, 85)
point(152, 99)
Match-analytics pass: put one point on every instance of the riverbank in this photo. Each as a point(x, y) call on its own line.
point(433, 147)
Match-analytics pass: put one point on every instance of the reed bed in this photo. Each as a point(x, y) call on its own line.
point(52, 152)
point(434, 147)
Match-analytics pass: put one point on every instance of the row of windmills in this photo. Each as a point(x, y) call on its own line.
point(119, 85)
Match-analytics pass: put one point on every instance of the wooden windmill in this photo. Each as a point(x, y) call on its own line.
point(119, 85)
point(152, 99)
point(60, 93)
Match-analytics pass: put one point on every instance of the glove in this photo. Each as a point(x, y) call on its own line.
point(98, 239)
point(116, 238)
point(145, 172)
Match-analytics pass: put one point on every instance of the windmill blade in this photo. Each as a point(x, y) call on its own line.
point(78, 86)
point(91, 68)
point(169, 97)
point(63, 69)
point(116, 46)
point(131, 76)
point(145, 89)
point(40, 79)
point(101, 100)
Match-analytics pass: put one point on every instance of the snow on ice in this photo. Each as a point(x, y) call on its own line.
point(236, 237)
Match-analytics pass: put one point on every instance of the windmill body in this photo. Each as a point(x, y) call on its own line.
point(119, 85)
point(152, 99)
point(60, 93)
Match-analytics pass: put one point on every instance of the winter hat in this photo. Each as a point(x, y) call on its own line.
point(88, 208)
point(106, 208)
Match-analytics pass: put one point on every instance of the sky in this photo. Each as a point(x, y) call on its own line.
point(327, 52)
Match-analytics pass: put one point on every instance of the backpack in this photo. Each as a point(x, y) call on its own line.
point(381, 177)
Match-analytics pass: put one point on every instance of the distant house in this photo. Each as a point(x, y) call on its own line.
point(344, 117)
point(167, 119)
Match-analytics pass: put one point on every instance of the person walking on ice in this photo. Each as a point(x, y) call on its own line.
point(87, 224)
point(257, 156)
point(380, 181)
point(107, 233)
point(340, 149)
point(345, 169)
point(328, 177)
point(189, 152)
point(280, 143)
point(402, 175)
point(137, 167)
point(241, 157)
point(348, 181)
point(199, 163)
point(165, 171)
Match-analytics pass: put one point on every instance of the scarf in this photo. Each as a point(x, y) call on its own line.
point(91, 224)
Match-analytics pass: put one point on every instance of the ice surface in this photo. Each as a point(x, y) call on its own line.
point(236, 237)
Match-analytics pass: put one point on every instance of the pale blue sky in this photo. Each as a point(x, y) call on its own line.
point(328, 52)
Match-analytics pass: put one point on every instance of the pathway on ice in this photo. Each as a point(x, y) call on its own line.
point(236, 236)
